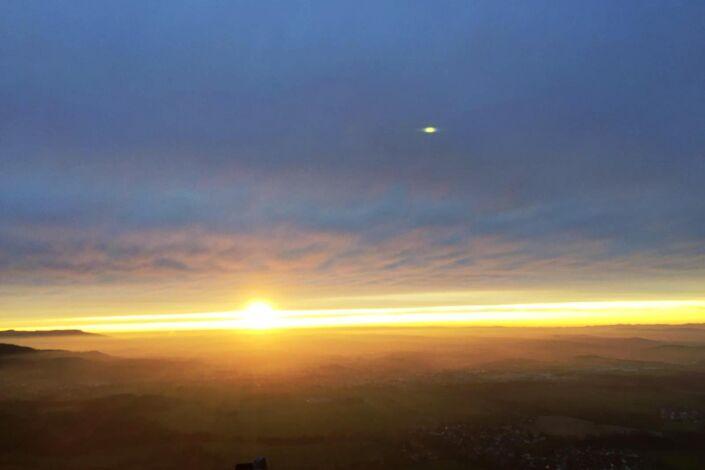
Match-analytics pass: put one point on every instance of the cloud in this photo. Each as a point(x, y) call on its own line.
point(174, 141)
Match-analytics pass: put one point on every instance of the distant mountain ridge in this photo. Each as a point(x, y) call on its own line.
point(6, 349)
point(38, 334)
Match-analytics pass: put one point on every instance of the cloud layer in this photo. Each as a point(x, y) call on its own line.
point(176, 141)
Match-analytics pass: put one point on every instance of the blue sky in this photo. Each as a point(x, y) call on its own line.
point(226, 145)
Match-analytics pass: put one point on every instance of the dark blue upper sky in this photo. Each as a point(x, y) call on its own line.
point(143, 142)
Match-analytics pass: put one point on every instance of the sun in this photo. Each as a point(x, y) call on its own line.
point(260, 315)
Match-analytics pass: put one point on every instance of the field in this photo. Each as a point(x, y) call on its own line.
point(594, 397)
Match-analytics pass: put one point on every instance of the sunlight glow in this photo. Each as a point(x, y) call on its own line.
point(430, 130)
point(260, 315)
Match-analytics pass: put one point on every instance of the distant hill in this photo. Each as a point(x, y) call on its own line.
point(7, 349)
point(594, 360)
point(680, 347)
point(40, 334)
point(610, 340)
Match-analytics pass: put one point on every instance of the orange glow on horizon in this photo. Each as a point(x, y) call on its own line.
point(260, 315)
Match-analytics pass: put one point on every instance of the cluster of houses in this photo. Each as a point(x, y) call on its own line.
point(682, 415)
point(514, 446)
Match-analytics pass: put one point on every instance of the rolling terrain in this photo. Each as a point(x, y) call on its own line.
point(625, 397)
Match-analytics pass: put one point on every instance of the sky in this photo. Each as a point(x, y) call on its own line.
point(181, 156)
